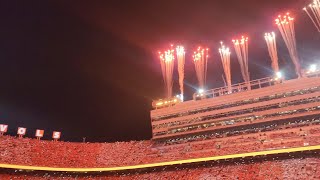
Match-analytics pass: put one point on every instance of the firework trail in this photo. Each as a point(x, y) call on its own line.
point(286, 28)
point(241, 48)
point(225, 59)
point(272, 48)
point(167, 65)
point(314, 13)
point(181, 61)
point(200, 59)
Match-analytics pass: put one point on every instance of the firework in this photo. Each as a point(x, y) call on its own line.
point(272, 48)
point(286, 28)
point(314, 13)
point(241, 48)
point(181, 62)
point(167, 65)
point(200, 59)
point(225, 59)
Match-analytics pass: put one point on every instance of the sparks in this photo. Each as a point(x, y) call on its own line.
point(225, 59)
point(272, 48)
point(314, 13)
point(286, 28)
point(241, 47)
point(167, 65)
point(181, 61)
point(200, 59)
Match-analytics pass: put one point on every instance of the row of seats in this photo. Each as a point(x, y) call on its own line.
point(266, 127)
point(269, 168)
point(25, 151)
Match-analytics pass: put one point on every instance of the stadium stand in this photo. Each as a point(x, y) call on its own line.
point(277, 118)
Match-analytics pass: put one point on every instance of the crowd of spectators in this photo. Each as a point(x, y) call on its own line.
point(237, 121)
point(25, 151)
point(233, 104)
point(294, 167)
point(33, 152)
point(229, 118)
point(268, 126)
point(252, 142)
point(242, 135)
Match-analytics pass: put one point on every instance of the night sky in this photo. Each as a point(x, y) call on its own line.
point(90, 68)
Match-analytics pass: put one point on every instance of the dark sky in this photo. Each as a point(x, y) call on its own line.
point(90, 68)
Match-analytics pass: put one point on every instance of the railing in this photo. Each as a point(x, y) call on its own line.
point(240, 87)
point(255, 84)
point(313, 74)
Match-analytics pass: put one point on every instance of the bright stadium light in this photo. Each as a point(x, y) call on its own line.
point(201, 91)
point(180, 96)
point(313, 68)
point(279, 75)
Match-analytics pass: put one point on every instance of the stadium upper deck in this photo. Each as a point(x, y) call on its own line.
point(215, 110)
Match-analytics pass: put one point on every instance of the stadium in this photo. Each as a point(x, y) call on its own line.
point(276, 135)
point(267, 128)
